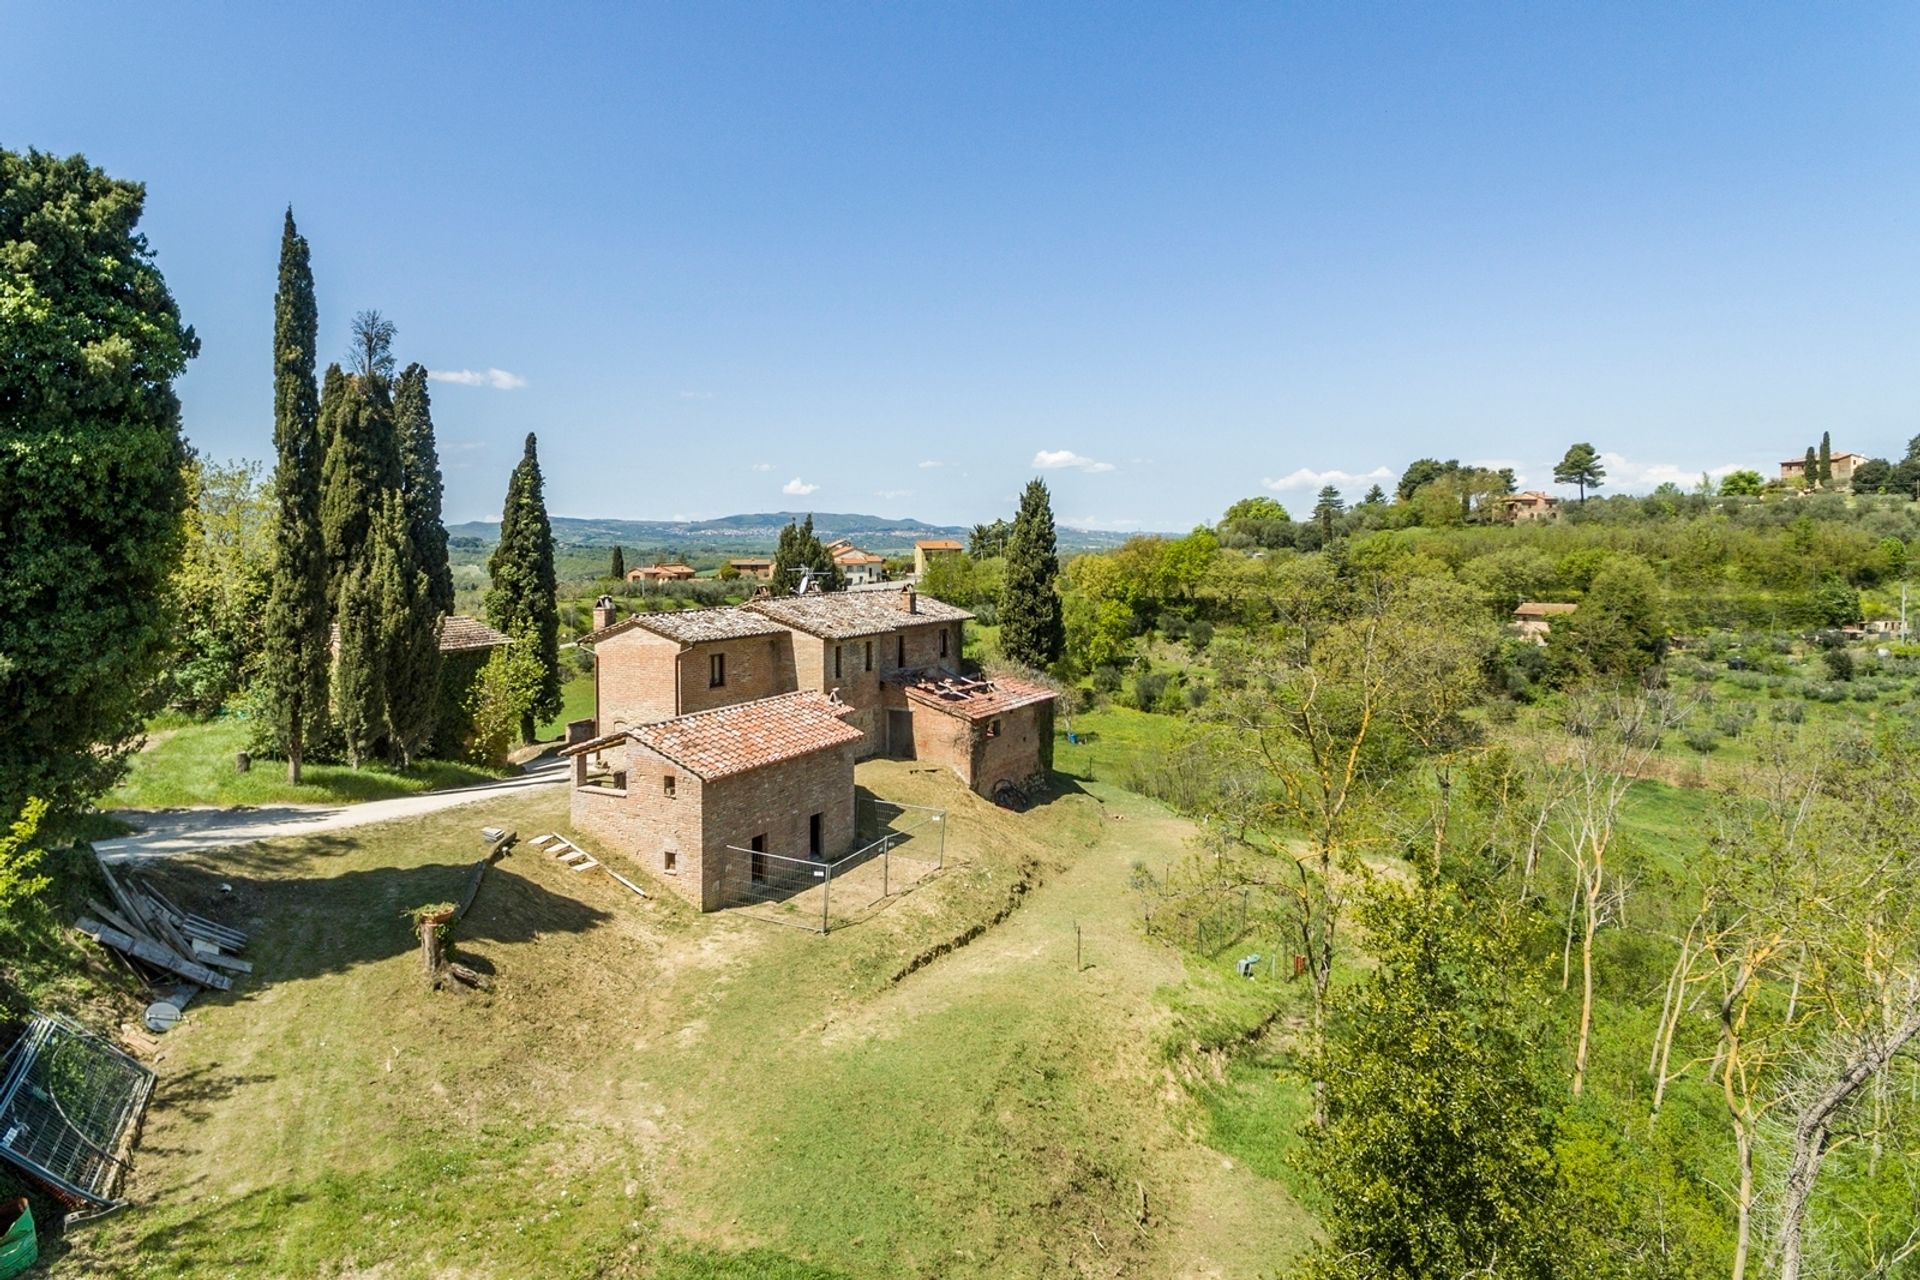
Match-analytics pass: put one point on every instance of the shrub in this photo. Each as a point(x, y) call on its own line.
point(1702, 738)
point(1839, 663)
point(1200, 635)
point(1148, 688)
point(1787, 712)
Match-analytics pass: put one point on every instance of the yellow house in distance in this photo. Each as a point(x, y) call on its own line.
point(928, 550)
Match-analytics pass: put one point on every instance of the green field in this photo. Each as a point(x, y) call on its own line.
point(189, 764)
point(649, 1091)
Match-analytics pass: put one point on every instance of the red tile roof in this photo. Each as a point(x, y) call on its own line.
point(842, 615)
point(939, 544)
point(1550, 609)
point(748, 735)
point(692, 626)
point(459, 633)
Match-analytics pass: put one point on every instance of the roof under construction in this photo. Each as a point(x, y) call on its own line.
point(745, 736)
point(975, 699)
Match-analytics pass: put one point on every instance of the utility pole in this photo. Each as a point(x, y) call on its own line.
point(1903, 611)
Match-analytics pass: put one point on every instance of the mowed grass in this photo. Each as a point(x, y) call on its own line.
point(576, 703)
point(651, 1092)
point(192, 764)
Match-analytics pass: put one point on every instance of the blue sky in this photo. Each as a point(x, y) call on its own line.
point(899, 258)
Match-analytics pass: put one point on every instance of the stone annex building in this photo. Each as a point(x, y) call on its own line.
point(738, 727)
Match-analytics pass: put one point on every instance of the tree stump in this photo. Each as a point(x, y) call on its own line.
point(432, 954)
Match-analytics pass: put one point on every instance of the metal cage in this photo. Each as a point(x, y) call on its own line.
point(70, 1103)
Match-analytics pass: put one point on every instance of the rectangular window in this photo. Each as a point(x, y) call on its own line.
point(869, 655)
point(813, 836)
point(672, 859)
point(836, 660)
point(943, 642)
point(716, 670)
point(993, 728)
point(900, 650)
point(666, 786)
point(757, 864)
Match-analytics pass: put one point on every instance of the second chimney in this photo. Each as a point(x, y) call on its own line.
point(604, 614)
point(909, 599)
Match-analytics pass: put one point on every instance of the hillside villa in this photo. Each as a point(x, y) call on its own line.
point(928, 550)
point(1530, 618)
point(1522, 508)
point(662, 573)
point(752, 567)
point(738, 726)
point(1795, 469)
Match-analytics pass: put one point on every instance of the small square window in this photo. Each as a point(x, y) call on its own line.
point(716, 671)
point(666, 786)
point(671, 861)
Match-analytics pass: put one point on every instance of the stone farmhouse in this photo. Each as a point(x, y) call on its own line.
point(1524, 508)
point(738, 727)
point(1530, 618)
point(752, 567)
point(1795, 469)
point(662, 573)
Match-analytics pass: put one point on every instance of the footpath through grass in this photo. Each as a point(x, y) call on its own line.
point(652, 1092)
point(192, 764)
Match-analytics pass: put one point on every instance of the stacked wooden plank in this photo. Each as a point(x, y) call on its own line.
point(144, 924)
point(574, 858)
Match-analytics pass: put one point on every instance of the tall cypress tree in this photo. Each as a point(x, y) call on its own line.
point(359, 676)
point(295, 647)
point(521, 599)
point(1031, 632)
point(618, 569)
point(1826, 457)
point(409, 632)
point(1811, 468)
point(422, 485)
point(362, 463)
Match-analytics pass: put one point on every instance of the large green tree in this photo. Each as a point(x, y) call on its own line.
point(1437, 1156)
point(1031, 630)
point(798, 550)
point(359, 673)
point(1581, 466)
point(91, 487)
point(421, 486)
point(1826, 457)
point(362, 464)
point(409, 644)
point(521, 599)
point(295, 651)
point(1327, 508)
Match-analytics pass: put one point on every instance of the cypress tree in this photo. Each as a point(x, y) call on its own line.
point(1030, 628)
point(1811, 468)
point(295, 646)
point(362, 463)
point(619, 567)
point(359, 685)
point(1826, 457)
point(799, 549)
point(521, 599)
point(422, 486)
point(409, 645)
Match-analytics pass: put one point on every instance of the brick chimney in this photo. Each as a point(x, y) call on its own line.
point(909, 599)
point(604, 613)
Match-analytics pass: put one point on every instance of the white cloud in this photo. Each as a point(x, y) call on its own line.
point(1306, 478)
point(498, 379)
point(763, 466)
point(1064, 459)
point(929, 464)
point(1627, 476)
point(892, 494)
point(797, 488)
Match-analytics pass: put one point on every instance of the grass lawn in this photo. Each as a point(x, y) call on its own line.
point(652, 1092)
point(191, 763)
point(576, 703)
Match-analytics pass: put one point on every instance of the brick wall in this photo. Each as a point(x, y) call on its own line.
point(776, 802)
point(1022, 748)
point(754, 670)
point(640, 824)
point(634, 674)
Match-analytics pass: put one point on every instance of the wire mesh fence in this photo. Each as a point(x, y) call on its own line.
point(68, 1102)
point(899, 847)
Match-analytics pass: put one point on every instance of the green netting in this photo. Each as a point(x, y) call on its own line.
point(19, 1247)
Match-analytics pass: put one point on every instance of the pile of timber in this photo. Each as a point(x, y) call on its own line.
point(144, 925)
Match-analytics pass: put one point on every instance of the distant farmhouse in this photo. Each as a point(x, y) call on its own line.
point(752, 567)
point(662, 573)
point(860, 568)
point(1530, 619)
point(1522, 508)
point(737, 728)
point(927, 551)
point(1795, 469)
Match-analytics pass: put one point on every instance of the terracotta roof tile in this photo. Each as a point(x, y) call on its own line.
point(459, 633)
point(841, 615)
point(750, 735)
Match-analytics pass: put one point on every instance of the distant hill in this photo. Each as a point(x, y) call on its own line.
point(755, 533)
